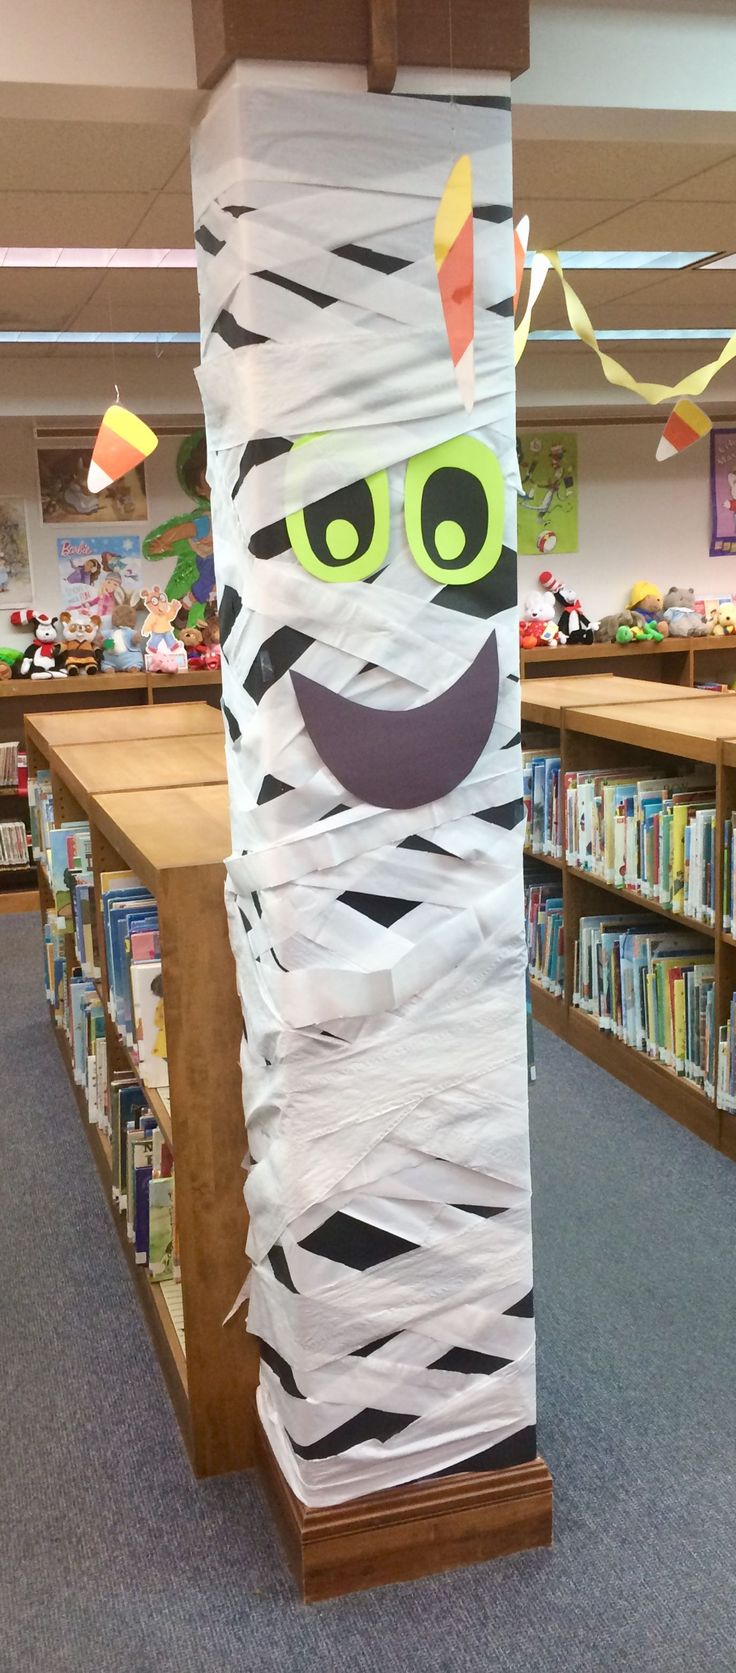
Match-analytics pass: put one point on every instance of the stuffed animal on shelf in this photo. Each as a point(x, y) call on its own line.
point(608, 626)
point(681, 616)
point(79, 653)
point(8, 660)
point(164, 653)
point(638, 632)
point(646, 602)
point(722, 622)
point(575, 628)
point(193, 641)
point(121, 651)
point(537, 625)
point(41, 659)
point(211, 646)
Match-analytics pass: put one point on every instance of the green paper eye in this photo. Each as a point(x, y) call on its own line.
point(453, 510)
point(345, 536)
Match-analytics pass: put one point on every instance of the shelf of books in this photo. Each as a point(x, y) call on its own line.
point(141, 986)
point(630, 890)
point(104, 695)
point(705, 661)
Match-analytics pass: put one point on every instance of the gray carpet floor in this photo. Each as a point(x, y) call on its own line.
point(113, 1558)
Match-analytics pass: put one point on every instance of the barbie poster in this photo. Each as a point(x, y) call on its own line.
point(96, 572)
point(723, 493)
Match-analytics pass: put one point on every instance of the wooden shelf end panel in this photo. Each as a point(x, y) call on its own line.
point(652, 1080)
point(408, 1532)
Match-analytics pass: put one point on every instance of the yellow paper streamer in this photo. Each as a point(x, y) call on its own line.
point(694, 384)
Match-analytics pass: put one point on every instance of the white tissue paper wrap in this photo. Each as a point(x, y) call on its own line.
point(380, 951)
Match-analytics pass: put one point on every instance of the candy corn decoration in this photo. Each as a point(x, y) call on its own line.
point(686, 424)
point(122, 442)
point(521, 245)
point(453, 255)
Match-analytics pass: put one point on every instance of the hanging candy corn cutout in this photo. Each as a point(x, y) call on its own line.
point(686, 424)
point(453, 255)
point(521, 245)
point(122, 442)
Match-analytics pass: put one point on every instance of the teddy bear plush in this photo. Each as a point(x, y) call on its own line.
point(722, 621)
point(681, 616)
point(537, 625)
point(192, 640)
point(648, 605)
point(121, 653)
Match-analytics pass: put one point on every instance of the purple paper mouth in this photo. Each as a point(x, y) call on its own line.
point(404, 758)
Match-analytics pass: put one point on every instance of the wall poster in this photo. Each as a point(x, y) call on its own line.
point(96, 572)
point(548, 503)
point(65, 497)
point(15, 565)
point(723, 493)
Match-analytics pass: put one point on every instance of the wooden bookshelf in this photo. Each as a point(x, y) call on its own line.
point(105, 699)
point(543, 700)
point(176, 840)
point(680, 662)
point(632, 734)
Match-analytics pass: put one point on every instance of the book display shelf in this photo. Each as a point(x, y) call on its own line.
point(123, 693)
point(680, 662)
point(155, 799)
point(635, 735)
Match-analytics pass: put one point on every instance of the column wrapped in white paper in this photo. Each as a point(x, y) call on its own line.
point(374, 894)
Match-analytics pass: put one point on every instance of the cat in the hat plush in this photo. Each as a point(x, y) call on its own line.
point(575, 627)
point(40, 659)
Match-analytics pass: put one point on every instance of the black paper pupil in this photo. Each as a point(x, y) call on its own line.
point(353, 506)
point(452, 495)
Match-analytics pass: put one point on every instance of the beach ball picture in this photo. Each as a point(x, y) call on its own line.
point(546, 542)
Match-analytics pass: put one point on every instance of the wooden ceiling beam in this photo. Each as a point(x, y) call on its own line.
point(467, 34)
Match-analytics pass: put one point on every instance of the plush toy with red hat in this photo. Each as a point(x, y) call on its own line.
point(575, 627)
point(40, 659)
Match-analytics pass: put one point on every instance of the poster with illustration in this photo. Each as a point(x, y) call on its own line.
point(548, 503)
point(188, 537)
point(96, 572)
point(723, 493)
point(65, 497)
point(15, 568)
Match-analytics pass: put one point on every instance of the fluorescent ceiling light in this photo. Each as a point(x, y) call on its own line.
point(601, 259)
point(722, 261)
point(678, 335)
point(99, 336)
point(67, 256)
point(129, 256)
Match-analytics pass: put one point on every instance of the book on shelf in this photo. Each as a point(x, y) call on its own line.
point(132, 946)
point(545, 934)
point(726, 1084)
point(13, 767)
point(14, 844)
point(541, 770)
point(54, 931)
point(653, 836)
point(653, 988)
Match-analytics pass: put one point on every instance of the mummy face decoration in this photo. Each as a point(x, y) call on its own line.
point(453, 518)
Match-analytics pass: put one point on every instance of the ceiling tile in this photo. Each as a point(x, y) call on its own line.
point(168, 224)
point(41, 300)
point(554, 223)
point(75, 218)
point(716, 185)
point(661, 224)
point(87, 156)
point(181, 179)
point(143, 301)
point(569, 169)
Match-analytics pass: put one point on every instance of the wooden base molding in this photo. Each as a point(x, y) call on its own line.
point(408, 1532)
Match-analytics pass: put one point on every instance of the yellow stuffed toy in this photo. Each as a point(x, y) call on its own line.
point(722, 621)
point(646, 602)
